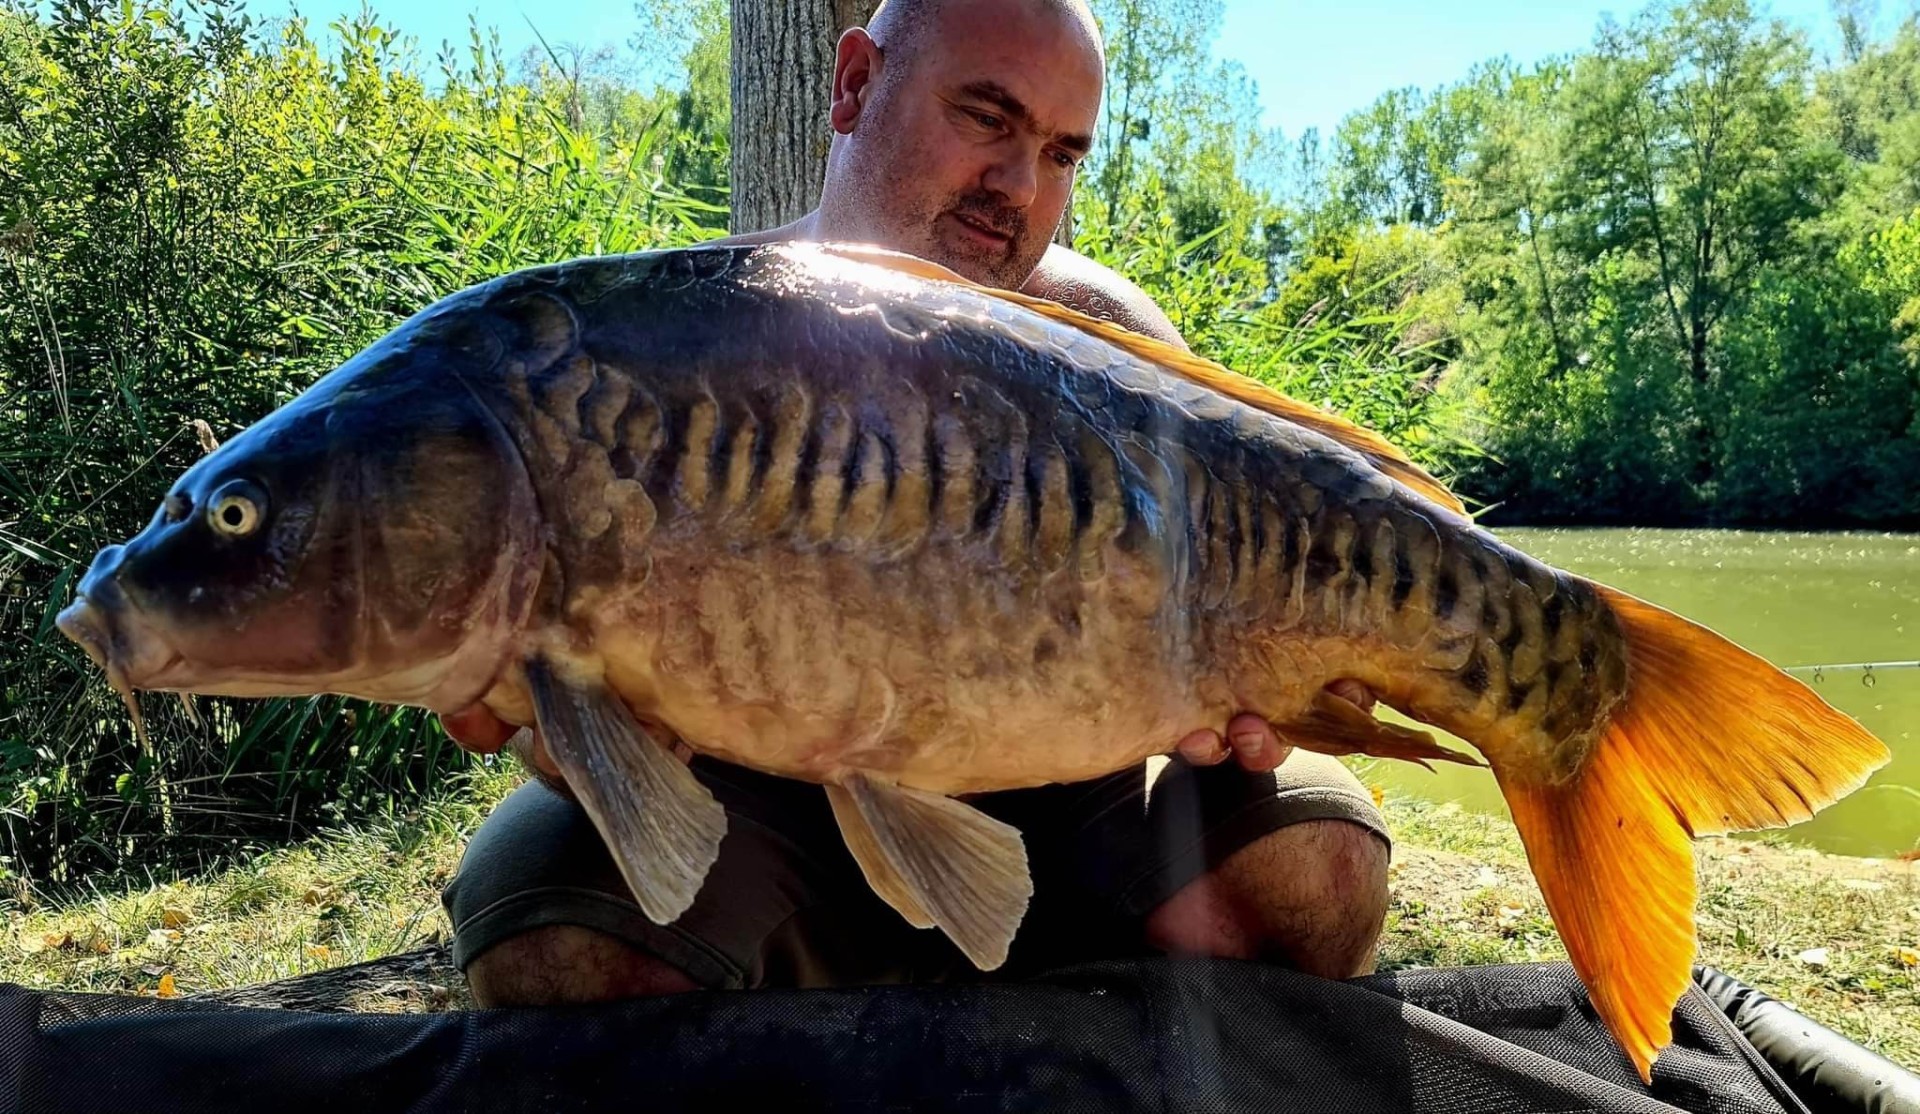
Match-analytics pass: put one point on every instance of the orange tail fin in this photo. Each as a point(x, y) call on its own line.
point(1709, 739)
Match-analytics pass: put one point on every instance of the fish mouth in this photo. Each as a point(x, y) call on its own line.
point(96, 630)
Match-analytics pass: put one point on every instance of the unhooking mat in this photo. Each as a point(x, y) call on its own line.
point(1148, 1035)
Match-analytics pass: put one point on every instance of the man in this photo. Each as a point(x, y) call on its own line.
point(958, 130)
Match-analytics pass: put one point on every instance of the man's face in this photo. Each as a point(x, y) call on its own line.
point(965, 153)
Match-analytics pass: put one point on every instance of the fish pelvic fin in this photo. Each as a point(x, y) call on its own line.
point(1709, 739)
point(1380, 452)
point(1337, 726)
point(939, 861)
point(879, 870)
point(662, 826)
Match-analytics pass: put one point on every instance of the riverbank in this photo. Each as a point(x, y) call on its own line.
point(1837, 937)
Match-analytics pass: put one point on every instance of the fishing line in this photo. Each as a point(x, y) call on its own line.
point(1867, 678)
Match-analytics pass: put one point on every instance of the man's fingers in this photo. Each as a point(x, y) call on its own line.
point(1256, 746)
point(1204, 748)
point(1352, 691)
point(477, 729)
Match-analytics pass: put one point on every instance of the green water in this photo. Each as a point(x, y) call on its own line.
point(1795, 599)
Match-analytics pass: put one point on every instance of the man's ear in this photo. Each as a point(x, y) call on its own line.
point(856, 63)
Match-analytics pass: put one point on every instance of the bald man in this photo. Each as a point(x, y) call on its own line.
point(958, 129)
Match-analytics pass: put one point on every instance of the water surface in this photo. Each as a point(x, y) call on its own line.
point(1796, 599)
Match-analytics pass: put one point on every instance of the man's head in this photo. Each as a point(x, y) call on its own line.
point(959, 125)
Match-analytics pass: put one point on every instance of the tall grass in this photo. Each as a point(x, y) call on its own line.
point(196, 221)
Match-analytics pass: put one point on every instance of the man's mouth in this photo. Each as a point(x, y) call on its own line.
point(982, 229)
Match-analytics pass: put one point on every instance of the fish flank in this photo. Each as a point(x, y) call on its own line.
point(791, 453)
point(960, 477)
point(602, 407)
point(866, 495)
point(697, 455)
point(734, 452)
point(835, 443)
point(1107, 510)
point(1053, 522)
point(908, 515)
point(664, 469)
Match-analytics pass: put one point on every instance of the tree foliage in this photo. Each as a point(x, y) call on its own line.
point(1664, 258)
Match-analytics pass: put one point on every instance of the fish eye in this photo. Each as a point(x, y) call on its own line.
point(237, 509)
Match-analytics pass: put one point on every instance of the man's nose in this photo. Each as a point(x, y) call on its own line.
point(1013, 177)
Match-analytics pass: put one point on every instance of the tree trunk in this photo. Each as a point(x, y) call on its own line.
point(782, 79)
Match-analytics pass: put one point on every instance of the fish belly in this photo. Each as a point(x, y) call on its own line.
point(939, 672)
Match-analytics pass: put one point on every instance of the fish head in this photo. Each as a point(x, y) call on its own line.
point(376, 537)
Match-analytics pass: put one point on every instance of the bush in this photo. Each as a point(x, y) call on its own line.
point(195, 223)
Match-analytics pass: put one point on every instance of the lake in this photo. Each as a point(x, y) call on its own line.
point(1796, 599)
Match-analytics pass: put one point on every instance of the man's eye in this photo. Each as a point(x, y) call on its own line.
point(986, 119)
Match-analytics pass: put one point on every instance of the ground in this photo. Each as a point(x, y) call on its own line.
point(1838, 938)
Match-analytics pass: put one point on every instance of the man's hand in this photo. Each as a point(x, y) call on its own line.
point(478, 730)
point(1252, 741)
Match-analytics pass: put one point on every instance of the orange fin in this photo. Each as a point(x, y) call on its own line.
point(1337, 726)
point(1709, 739)
point(1380, 452)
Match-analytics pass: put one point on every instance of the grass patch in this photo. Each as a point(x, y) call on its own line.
point(346, 896)
point(1462, 895)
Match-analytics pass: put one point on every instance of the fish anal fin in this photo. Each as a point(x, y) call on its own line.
point(966, 871)
point(1380, 452)
point(1337, 726)
point(663, 827)
point(1709, 738)
point(880, 872)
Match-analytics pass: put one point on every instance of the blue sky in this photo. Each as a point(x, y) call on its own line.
point(1312, 61)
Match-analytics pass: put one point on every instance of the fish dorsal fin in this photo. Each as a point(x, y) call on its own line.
point(1380, 452)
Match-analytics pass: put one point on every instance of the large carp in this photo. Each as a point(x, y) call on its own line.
point(841, 516)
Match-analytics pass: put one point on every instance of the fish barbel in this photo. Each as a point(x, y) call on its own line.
point(839, 515)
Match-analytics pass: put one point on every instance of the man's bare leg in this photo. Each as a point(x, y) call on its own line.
point(565, 964)
point(1312, 895)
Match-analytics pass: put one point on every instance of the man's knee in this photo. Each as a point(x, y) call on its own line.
point(1312, 895)
point(565, 964)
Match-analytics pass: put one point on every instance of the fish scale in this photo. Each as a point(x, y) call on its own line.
point(842, 516)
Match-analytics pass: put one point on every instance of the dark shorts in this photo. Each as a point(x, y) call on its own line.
point(786, 905)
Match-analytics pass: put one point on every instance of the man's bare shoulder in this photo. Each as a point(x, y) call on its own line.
point(1073, 280)
point(801, 229)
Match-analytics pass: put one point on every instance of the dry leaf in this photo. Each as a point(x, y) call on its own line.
point(1813, 957)
point(58, 939)
point(1906, 957)
point(319, 951)
point(174, 918)
point(166, 989)
point(1379, 795)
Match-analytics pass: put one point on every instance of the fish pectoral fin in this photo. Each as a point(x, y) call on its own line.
point(1337, 726)
point(960, 868)
point(880, 872)
point(663, 827)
